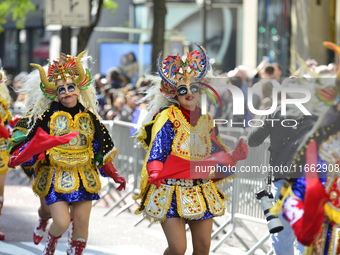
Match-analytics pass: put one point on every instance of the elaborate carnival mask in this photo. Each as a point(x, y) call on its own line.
point(195, 65)
point(64, 67)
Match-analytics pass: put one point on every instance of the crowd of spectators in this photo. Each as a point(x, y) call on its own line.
point(119, 90)
point(262, 80)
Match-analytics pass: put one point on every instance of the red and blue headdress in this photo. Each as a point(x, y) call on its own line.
point(195, 65)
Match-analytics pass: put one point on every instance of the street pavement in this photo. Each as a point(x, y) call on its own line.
point(114, 234)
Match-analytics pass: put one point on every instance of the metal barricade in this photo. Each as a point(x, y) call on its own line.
point(244, 206)
point(129, 162)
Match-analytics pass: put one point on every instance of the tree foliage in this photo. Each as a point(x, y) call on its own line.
point(17, 10)
point(110, 5)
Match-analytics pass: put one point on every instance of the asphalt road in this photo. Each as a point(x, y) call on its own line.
point(111, 234)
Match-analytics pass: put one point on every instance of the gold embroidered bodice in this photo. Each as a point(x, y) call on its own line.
point(191, 142)
point(78, 151)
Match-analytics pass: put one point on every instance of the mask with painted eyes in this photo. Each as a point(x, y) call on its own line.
point(183, 89)
point(62, 68)
point(70, 88)
point(175, 69)
point(194, 66)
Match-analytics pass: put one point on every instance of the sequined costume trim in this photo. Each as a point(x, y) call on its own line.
point(326, 240)
point(66, 179)
point(332, 207)
point(110, 156)
point(72, 161)
point(214, 196)
point(42, 182)
point(186, 182)
point(146, 139)
point(150, 130)
point(192, 202)
point(70, 171)
point(23, 129)
point(190, 142)
point(158, 202)
point(142, 136)
point(5, 113)
point(4, 157)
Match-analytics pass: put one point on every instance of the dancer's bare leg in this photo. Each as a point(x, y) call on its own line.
point(174, 230)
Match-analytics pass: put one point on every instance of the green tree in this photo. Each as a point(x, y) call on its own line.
point(17, 10)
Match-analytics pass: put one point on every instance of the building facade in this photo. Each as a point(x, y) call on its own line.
point(234, 32)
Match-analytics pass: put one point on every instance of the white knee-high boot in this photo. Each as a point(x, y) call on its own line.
point(77, 247)
point(70, 234)
point(39, 230)
point(51, 244)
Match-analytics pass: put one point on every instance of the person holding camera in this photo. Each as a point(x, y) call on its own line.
point(283, 242)
point(311, 203)
point(180, 141)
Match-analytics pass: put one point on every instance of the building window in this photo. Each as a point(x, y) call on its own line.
point(274, 32)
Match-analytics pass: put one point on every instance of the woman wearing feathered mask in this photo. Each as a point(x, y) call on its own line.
point(63, 144)
point(181, 144)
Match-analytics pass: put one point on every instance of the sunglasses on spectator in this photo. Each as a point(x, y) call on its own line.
point(183, 89)
point(70, 88)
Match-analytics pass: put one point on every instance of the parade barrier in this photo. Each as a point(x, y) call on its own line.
point(129, 163)
point(243, 205)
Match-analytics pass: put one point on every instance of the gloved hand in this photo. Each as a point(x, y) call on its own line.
point(14, 120)
point(110, 170)
point(154, 167)
point(230, 158)
point(240, 152)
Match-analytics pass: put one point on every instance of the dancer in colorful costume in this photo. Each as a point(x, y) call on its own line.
point(179, 140)
point(62, 142)
point(311, 203)
point(7, 123)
